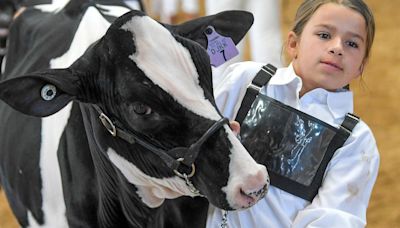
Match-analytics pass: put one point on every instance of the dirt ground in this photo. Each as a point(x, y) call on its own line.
point(376, 96)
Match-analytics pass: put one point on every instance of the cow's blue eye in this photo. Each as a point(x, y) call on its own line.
point(141, 109)
point(48, 92)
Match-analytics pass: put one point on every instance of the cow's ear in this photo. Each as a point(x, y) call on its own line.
point(234, 24)
point(40, 94)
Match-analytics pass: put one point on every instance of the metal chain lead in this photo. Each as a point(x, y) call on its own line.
point(192, 188)
point(224, 222)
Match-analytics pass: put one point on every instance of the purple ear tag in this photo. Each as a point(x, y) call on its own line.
point(220, 48)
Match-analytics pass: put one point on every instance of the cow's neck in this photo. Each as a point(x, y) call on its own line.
point(119, 204)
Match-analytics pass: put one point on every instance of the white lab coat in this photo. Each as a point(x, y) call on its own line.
point(343, 198)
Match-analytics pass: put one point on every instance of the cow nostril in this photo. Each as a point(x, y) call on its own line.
point(251, 197)
point(248, 199)
point(258, 194)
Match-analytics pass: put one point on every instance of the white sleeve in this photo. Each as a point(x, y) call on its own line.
point(230, 91)
point(343, 198)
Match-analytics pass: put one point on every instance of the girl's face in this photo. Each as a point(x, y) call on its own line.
point(330, 51)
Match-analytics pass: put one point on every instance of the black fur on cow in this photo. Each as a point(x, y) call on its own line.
point(150, 81)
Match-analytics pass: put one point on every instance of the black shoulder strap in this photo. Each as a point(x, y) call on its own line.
point(261, 79)
point(345, 130)
point(349, 122)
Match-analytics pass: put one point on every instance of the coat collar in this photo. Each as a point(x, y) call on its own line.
point(339, 102)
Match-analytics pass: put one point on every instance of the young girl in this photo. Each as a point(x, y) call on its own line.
point(329, 46)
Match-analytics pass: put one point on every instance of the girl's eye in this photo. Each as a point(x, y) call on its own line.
point(352, 44)
point(324, 36)
point(141, 109)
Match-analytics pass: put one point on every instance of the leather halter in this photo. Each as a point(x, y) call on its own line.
point(174, 157)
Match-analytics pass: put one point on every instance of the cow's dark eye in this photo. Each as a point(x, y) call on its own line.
point(141, 109)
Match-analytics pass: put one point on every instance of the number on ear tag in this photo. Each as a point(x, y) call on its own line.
point(220, 48)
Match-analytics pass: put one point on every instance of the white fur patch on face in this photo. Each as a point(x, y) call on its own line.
point(168, 64)
point(153, 191)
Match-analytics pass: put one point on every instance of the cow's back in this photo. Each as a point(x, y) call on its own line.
point(33, 44)
point(19, 162)
point(34, 150)
point(37, 37)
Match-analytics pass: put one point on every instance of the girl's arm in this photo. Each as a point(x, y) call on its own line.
point(343, 198)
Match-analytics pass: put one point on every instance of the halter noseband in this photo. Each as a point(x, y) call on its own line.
point(173, 157)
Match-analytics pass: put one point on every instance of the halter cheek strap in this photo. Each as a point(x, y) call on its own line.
point(174, 157)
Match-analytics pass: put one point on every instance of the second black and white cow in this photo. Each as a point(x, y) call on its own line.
point(144, 129)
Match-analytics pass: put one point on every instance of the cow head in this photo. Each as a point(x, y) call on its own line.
point(152, 85)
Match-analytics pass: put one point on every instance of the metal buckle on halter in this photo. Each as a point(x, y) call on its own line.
point(108, 124)
point(184, 175)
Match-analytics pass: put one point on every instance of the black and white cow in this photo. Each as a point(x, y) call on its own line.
point(7, 9)
point(159, 135)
